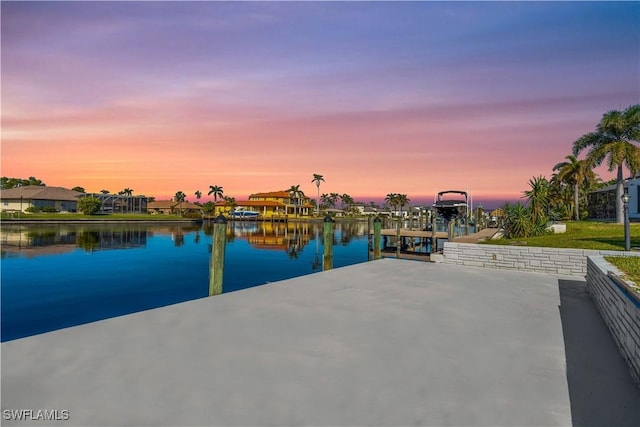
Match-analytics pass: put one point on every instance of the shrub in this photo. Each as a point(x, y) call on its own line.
point(89, 205)
point(520, 222)
point(33, 209)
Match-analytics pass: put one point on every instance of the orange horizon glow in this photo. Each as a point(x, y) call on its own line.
point(411, 98)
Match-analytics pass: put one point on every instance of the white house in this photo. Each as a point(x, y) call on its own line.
point(602, 202)
point(19, 199)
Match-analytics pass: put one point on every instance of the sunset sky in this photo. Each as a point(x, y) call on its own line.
point(378, 97)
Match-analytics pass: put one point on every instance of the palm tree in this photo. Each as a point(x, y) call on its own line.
point(105, 191)
point(179, 197)
point(391, 199)
point(317, 178)
point(325, 200)
point(216, 191)
point(295, 194)
point(613, 140)
point(198, 194)
point(402, 200)
point(333, 199)
point(127, 192)
point(576, 173)
point(346, 200)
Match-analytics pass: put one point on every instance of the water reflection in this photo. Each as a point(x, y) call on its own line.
point(49, 281)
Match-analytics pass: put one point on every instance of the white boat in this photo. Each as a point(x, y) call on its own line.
point(243, 214)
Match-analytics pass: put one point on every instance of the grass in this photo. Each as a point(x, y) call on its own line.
point(82, 217)
point(580, 235)
point(629, 266)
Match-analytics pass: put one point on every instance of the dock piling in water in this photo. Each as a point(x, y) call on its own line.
point(216, 266)
point(377, 225)
point(327, 260)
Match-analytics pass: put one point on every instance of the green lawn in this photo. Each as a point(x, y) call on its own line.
point(82, 217)
point(581, 235)
point(629, 266)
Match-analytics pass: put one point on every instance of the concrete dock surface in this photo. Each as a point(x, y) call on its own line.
point(384, 343)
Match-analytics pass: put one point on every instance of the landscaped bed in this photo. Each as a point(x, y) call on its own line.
point(630, 268)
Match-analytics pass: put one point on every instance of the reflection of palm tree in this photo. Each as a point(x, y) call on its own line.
point(613, 140)
point(317, 178)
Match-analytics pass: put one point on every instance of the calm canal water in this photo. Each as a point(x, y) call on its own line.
point(56, 276)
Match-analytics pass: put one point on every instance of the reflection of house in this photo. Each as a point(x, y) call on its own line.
point(172, 207)
point(274, 204)
point(18, 199)
point(602, 202)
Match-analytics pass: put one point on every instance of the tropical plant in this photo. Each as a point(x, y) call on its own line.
point(317, 178)
point(89, 205)
point(105, 191)
point(296, 194)
point(538, 197)
point(126, 192)
point(6, 182)
point(179, 197)
point(346, 200)
point(79, 189)
point(216, 191)
point(613, 140)
point(333, 199)
point(325, 201)
point(198, 194)
point(520, 221)
point(576, 173)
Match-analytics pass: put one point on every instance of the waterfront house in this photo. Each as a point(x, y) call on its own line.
point(270, 205)
point(58, 199)
point(170, 207)
point(602, 202)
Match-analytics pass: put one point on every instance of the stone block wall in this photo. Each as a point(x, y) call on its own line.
point(570, 262)
point(619, 308)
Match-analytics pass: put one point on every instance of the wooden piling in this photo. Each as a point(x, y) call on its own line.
point(327, 237)
point(377, 226)
point(216, 266)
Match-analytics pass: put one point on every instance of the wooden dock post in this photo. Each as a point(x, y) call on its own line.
point(216, 265)
point(327, 237)
point(377, 225)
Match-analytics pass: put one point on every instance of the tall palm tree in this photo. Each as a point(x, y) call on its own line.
point(317, 178)
point(179, 197)
point(295, 193)
point(198, 194)
point(576, 173)
point(216, 191)
point(613, 140)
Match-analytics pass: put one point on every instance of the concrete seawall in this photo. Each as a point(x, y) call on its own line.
point(619, 308)
point(571, 262)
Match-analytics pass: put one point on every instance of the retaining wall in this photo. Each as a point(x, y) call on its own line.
point(619, 308)
point(571, 262)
